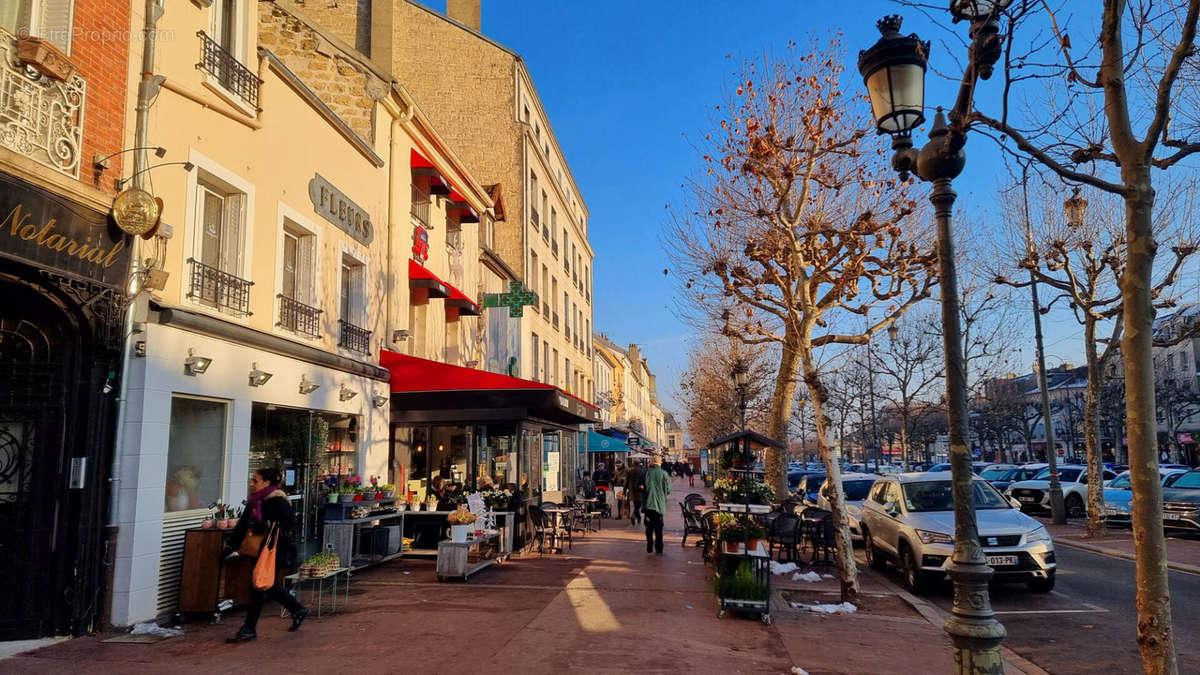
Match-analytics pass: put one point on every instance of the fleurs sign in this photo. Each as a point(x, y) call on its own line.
point(52, 233)
point(337, 208)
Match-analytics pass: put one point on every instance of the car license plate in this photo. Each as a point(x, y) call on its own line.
point(1025, 499)
point(1171, 516)
point(1001, 560)
point(1110, 511)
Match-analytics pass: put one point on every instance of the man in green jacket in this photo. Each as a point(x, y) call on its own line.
point(654, 503)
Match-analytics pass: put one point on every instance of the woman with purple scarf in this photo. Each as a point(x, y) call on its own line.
point(268, 505)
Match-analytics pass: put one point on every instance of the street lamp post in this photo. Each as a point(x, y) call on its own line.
point(740, 380)
point(893, 70)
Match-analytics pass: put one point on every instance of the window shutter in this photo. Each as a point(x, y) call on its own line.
point(306, 271)
point(54, 23)
point(233, 235)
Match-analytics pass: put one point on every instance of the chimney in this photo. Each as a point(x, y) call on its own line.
point(466, 12)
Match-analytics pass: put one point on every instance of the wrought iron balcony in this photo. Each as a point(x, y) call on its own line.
point(40, 117)
point(225, 291)
point(298, 317)
point(354, 338)
point(228, 71)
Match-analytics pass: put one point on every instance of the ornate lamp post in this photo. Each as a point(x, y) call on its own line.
point(740, 379)
point(894, 72)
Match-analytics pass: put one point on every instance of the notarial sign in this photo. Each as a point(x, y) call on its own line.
point(515, 299)
point(336, 207)
point(53, 233)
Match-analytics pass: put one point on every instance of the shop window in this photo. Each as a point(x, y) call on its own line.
point(410, 460)
point(448, 458)
point(195, 453)
point(496, 456)
point(48, 19)
point(551, 462)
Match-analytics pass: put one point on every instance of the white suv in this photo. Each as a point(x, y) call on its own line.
point(909, 519)
point(1034, 494)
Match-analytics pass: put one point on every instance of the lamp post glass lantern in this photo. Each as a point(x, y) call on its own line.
point(1075, 208)
point(973, 627)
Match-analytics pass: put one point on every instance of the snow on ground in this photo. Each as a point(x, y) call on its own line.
point(797, 670)
point(783, 568)
point(810, 577)
point(840, 608)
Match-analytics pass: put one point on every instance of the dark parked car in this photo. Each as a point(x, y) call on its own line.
point(1010, 476)
point(809, 488)
point(1181, 503)
point(795, 475)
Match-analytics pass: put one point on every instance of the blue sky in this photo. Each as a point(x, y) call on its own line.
point(629, 85)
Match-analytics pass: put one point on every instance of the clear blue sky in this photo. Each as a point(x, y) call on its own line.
point(627, 84)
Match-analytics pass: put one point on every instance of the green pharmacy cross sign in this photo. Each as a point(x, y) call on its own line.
point(515, 299)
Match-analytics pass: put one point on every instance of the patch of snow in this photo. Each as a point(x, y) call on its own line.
point(689, 606)
point(151, 628)
point(826, 576)
point(840, 608)
point(783, 568)
point(810, 577)
point(797, 670)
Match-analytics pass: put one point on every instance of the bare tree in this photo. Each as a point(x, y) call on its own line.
point(710, 400)
point(909, 363)
point(1108, 114)
point(797, 219)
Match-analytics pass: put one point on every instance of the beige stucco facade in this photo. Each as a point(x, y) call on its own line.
point(634, 395)
point(287, 263)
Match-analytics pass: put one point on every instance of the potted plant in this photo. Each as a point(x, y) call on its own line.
point(388, 490)
point(733, 536)
point(740, 584)
point(756, 537)
point(460, 521)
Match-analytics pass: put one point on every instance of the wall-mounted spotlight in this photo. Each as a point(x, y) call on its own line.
point(307, 387)
point(379, 400)
point(258, 377)
point(195, 365)
point(119, 183)
point(345, 393)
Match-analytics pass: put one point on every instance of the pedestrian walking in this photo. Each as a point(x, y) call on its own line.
point(691, 474)
point(267, 508)
point(636, 489)
point(654, 504)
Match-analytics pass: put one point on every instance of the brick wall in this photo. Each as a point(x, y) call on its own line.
point(100, 49)
point(337, 80)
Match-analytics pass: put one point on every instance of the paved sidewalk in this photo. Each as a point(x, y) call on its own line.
point(605, 606)
point(1183, 554)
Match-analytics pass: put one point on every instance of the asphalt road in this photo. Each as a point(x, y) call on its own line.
point(1087, 624)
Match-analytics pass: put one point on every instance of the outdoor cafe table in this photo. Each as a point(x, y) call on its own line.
point(558, 513)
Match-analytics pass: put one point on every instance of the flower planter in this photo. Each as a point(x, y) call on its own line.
point(333, 497)
point(346, 498)
point(402, 506)
point(378, 495)
point(735, 547)
point(208, 523)
point(756, 545)
point(45, 58)
point(227, 524)
point(458, 533)
point(388, 494)
point(357, 498)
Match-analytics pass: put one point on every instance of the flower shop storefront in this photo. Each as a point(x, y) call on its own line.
point(471, 427)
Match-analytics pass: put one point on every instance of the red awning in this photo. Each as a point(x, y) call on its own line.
point(420, 386)
point(464, 304)
point(438, 184)
point(466, 213)
point(411, 374)
point(419, 277)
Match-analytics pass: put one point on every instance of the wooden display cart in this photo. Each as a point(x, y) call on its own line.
point(459, 560)
point(210, 583)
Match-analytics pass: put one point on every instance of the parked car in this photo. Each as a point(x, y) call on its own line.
point(856, 487)
point(808, 488)
point(909, 520)
point(989, 470)
point(1181, 503)
point(795, 475)
point(1118, 495)
point(1034, 494)
point(938, 468)
point(977, 467)
point(1023, 472)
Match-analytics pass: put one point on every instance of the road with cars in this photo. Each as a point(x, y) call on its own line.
point(1087, 624)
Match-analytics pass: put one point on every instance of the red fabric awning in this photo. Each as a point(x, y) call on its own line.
point(411, 374)
point(466, 213)
point(464, 304)
point(438, 184)
point(419, 277)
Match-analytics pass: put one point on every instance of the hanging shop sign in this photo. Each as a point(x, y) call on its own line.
point(54, 233)
point(515, 299)
point(337, 208)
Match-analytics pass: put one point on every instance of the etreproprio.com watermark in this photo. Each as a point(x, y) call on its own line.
point(100, 35)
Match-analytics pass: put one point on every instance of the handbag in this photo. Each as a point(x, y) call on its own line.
point(264, 567)
point(252, 544)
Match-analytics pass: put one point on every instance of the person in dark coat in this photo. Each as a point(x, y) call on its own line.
point(634, 487)
point(268, 505)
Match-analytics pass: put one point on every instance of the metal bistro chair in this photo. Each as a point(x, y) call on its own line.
point(582, 519)
point(824, 540)
point(691, 522)
point(561, 526)
point(708, 532)
point(784, 533)
point(541, 529)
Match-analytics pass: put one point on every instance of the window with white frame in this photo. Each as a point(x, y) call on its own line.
point(218, 247)
point(225, 26)
point(297, 285)
point(47, 19)
point(195, 453)
point(352, 312)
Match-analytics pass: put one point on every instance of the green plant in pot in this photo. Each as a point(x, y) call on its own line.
point(740, 584)
point(733, 535)
point(756, 536)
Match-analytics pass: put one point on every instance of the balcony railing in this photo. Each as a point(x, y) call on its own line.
point(40, 117)
point(226, 292)
point(299, 317)
point(228, 71)
point(354, 338)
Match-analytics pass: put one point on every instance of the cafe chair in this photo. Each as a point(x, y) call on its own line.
point(542, 529)
point(784, 533)
point(691, 522)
